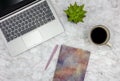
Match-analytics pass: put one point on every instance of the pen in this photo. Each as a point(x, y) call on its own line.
point(52, 54)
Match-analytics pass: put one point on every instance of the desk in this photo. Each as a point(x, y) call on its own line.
point(104, 63)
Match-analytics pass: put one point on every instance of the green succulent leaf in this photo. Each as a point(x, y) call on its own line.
point(75, 13)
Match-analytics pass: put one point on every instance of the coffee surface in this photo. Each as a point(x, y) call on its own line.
point(98, 35)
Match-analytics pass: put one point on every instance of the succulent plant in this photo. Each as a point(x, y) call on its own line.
point(75, 13)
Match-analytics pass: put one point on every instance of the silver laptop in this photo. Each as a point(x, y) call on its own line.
point(27, 23)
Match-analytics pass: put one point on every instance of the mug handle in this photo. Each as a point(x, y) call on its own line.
point(109, 45)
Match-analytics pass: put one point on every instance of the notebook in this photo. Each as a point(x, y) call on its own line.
point(72, 64)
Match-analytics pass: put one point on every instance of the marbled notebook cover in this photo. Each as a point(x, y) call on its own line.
point(72, 64)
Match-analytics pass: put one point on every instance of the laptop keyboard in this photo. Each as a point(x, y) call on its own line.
point(26, 21)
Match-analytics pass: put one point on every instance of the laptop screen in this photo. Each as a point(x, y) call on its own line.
point(8, 6)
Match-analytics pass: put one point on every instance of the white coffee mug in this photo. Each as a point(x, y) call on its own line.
point(96, 31)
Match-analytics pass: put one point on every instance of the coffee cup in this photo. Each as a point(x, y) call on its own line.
point(100, 35)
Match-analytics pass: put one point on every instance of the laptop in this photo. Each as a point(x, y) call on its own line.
point(27, 23)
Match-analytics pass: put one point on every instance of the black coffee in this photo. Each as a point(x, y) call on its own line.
point(98, 35)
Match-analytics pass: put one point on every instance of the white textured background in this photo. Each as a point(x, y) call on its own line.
point(104, 64)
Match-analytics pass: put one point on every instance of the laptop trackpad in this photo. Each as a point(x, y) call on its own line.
point(31, 39)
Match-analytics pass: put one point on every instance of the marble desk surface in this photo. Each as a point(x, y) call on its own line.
point(104, 63)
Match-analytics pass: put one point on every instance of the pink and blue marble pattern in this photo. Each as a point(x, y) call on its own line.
point(72, 64)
